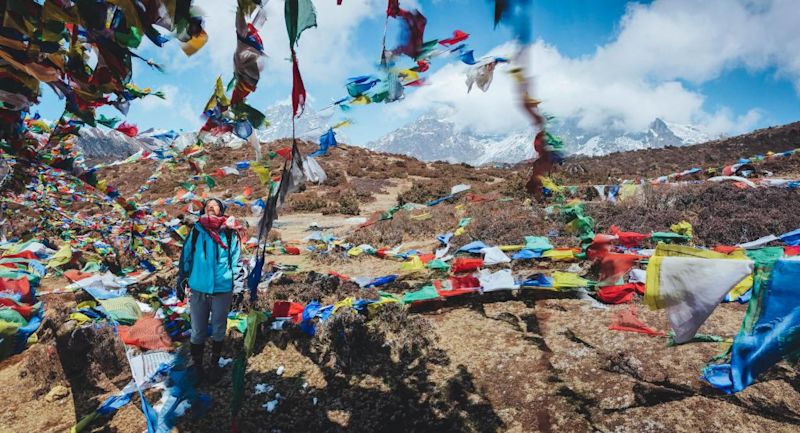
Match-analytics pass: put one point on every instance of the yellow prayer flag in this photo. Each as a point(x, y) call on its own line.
point(413, 265)
point(682, 228)
point(262, 172)
point(194, 44)
point(61, 257)
point(559, 255)
point(568, 280)
point(344, 303)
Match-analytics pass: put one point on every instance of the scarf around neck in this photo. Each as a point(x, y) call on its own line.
point(212, 224)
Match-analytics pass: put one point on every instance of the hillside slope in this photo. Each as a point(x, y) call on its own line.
point(651, 163)
point(531, 360)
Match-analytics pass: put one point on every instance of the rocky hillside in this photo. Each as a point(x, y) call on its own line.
point(651, 163)
point(526, 361)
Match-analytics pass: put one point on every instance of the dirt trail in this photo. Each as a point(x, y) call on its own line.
point(295, 227)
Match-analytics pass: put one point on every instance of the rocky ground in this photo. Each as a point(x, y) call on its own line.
point(526, 361)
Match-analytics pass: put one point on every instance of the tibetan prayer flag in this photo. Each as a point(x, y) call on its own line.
point(691, 288)
point(128, 129)
point(298, 88)
point(628, 320)
point(262, 172)
point(458, 36)
point(299, 15)
point(770, 332)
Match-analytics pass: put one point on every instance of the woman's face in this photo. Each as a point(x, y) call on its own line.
point(212, 208)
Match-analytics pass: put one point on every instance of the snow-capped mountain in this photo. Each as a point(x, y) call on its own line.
point(104, 145)
point(309, 126)
point(658, 134)
point(433, 137)
point(98, 145)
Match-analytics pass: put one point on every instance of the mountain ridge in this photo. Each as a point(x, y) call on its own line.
point(432, 137)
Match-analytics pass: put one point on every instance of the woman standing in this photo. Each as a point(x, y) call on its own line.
point(210, 268)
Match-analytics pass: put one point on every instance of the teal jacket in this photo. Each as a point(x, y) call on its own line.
point(207, 266)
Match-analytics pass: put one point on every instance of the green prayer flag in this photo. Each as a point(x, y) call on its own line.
point(438, 265)
point(130, 40)
point(210, 181)
point(698, 338)
point(299, 15)
point(244, 111)
point(254, 319)
point(764, 259)
point(765, 256)
point(389, 214)
point(426, 293)
point(537, 243)
point(428, 47)
point(237, 383)
point(669, 237)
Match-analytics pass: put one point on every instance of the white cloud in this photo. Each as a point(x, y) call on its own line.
point(325, 53)
point(152, 102)
point(724, 122)
point(174, 104)
point(639, 75)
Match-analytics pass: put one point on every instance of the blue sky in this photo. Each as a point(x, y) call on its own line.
point(721, 64)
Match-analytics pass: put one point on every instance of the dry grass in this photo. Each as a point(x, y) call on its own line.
point(507, 223)
point(423, 191)
point(658, 162)
point(721, 214)
point(403, 228)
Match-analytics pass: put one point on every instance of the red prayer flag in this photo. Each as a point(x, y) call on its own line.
point(76, 275)
point(615, 265)
point(298, 89)
point(628, 239)
point(339, 276)
point(458, 36)
point(23, 255)
point(622, 294)
point(292, 310)
point(461, 286)
point(725, 249)
point(628, 320)
point(465, 282)
point(465, 264)
point(426, 258)
point(24, 310)
point(285, 152)
point(128, 129)
point(600, 246)
point(20, 287)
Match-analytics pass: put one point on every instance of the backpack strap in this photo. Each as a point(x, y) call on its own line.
point(193, 241)
point(193, 235)
point(229, 236)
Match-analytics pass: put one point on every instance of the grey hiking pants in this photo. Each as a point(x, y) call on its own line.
point(217, 306)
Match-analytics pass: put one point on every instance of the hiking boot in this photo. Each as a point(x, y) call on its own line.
point(215, 372)
point(197, 357)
